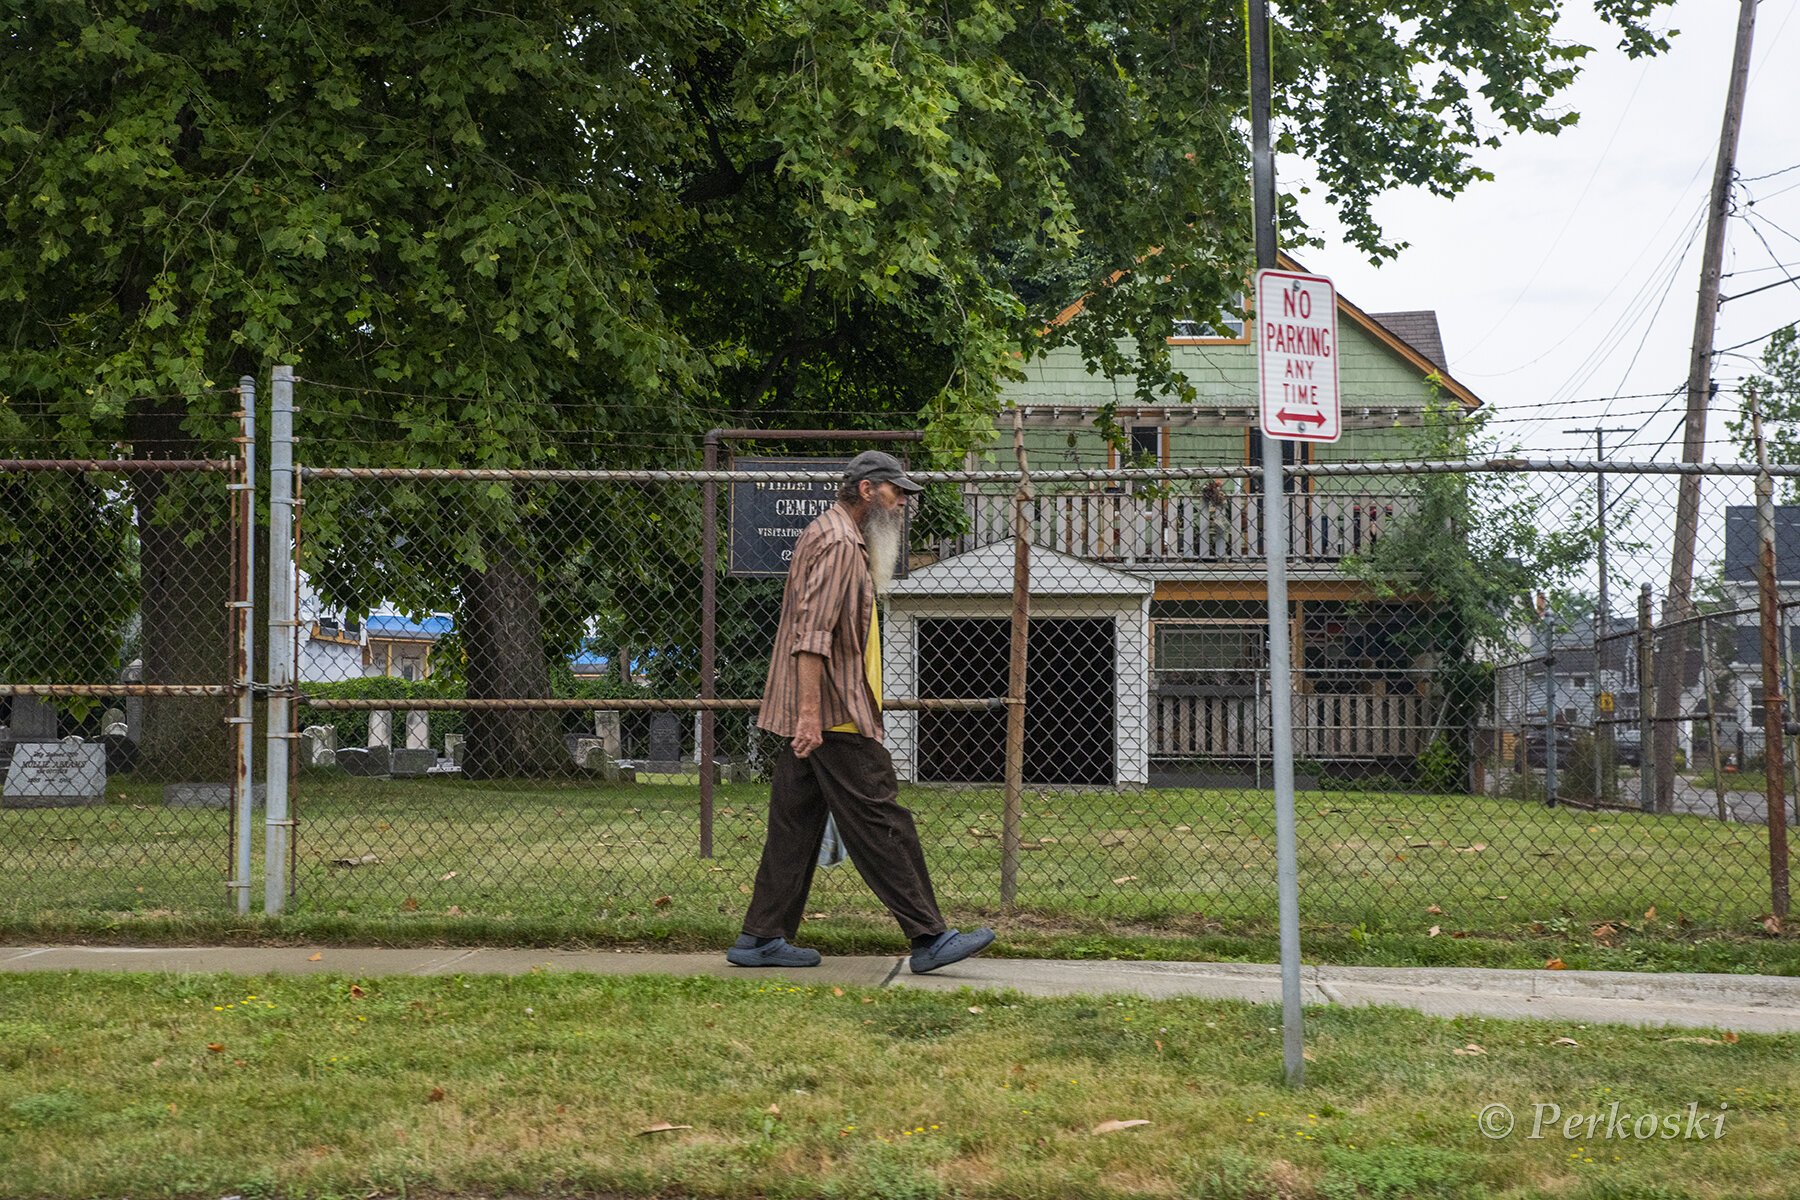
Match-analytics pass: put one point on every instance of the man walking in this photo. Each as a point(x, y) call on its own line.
point(824, 696)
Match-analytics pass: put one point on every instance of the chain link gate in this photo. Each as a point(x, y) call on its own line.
point(125, 685)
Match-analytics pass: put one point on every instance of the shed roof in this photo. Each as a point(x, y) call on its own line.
point(988, 571)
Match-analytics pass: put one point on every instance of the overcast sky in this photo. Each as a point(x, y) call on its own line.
point(1571, 278)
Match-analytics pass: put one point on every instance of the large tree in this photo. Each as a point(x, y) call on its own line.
point(544, 230)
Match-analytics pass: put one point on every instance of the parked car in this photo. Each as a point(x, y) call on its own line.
point(1534, 745)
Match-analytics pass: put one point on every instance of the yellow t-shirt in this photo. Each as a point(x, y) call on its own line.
point(871, 667)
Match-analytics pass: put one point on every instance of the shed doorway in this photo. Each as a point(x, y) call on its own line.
point(1070, 735)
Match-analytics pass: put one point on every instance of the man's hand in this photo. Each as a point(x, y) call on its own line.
point(807, 737)
point(807, 723)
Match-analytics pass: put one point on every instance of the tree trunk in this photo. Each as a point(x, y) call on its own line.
point(184, 535)
point(502, 635)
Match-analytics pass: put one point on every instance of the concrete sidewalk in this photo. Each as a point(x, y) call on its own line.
point(1748, 1003)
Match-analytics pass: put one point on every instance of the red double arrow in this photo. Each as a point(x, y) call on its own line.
point(1284, 416)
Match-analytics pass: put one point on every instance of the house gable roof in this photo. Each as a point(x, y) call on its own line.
point(1427, 364)
point(1418, 328)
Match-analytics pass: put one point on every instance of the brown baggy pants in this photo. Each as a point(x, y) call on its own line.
point(852, 778)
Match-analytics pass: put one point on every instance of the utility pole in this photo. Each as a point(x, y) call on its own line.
point(1601, 698)
point(1678, 605)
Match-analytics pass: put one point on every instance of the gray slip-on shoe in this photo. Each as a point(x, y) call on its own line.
point(951, 946)
point(776, 954)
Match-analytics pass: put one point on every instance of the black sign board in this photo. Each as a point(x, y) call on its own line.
point(768, 518)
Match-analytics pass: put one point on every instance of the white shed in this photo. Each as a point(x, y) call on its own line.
point(946, 634)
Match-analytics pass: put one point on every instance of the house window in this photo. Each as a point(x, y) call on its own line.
point(1146, 444)
point(1218, 653)
point(328, 626)
point(1292, 454)
point(1228, 326)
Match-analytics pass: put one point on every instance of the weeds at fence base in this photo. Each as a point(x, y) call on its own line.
point(1023, 934)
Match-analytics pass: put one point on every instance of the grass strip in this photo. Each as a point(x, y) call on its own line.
point(545, 1085)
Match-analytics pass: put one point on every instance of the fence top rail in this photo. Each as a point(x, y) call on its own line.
point(123, 466)
point(1073, 475)
point(599, 704)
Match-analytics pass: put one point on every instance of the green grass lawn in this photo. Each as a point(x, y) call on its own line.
point(205, 1086)
point(1103, 872)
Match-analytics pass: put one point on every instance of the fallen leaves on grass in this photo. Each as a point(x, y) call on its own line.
point(1469, 1051)
point(1555, 964)
point(410, 904)
point(1115, 1126)
point(366, 860)
point(1433, 931)
point(1565, 1041)
point(436, 1094)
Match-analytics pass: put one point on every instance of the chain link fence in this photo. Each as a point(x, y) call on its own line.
point(124, 686)
point(516, 702)
point(531, 696)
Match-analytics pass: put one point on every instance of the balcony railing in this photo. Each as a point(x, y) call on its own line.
point(1125, 528)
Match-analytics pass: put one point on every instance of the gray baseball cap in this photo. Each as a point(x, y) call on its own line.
point(878, 467)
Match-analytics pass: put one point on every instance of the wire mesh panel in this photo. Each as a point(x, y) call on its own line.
point(117, 623)
point(504, 699)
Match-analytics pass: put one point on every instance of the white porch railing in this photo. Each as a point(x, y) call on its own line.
point(1125, 528)
point(1196, 717)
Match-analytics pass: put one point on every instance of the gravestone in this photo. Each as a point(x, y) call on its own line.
point(321, 745)
point(411, 762)
point(357, 761)
point(208, 795)
point(54, 775)
point(590, 754)
point(134, 705)
point(607, 729)
point(665, 738)
point(121, 752)
point(418, 729)
point(454, 747)
point(697, 741)
point(32, 720)
point(381, 729)
point(114, 716)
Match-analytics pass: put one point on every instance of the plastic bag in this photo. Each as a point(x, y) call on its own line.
point(831, 846)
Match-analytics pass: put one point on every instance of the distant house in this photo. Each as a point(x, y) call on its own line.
point(1361, 693)
point(336, 647)
point(1736, 686)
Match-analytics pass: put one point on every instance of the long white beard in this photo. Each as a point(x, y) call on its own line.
point(881, 532)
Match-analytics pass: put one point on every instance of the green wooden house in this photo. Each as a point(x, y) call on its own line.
point(1192, 685)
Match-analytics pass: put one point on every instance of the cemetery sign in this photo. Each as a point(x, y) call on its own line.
point(768, 517)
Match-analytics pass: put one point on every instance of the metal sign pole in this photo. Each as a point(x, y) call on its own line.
point(1275, 547)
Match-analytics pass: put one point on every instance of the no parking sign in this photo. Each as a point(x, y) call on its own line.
point(1297, 356)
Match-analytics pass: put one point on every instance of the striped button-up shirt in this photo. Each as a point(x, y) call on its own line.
point(825, 610)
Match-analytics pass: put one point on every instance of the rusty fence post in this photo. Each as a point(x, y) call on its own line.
point(1012, 812)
